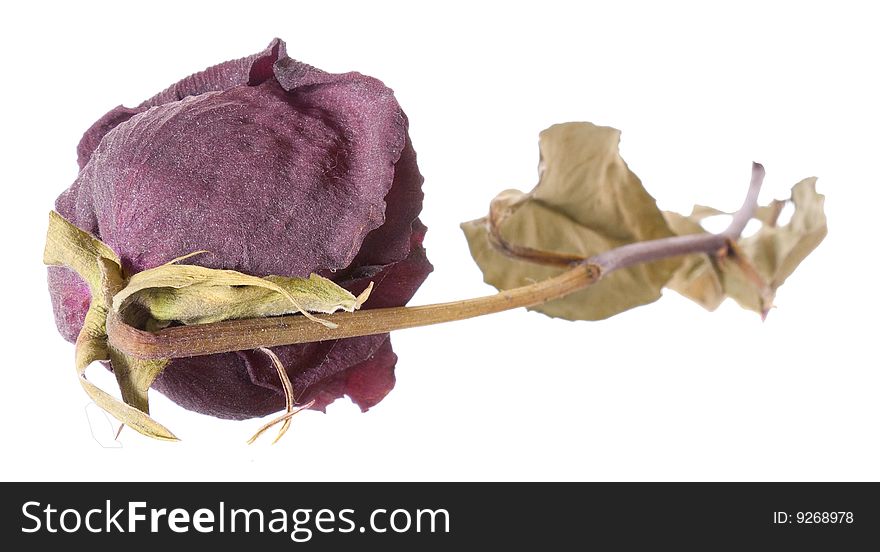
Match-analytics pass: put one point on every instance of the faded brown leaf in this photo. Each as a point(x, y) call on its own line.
point(760, 263)
point(587, 201)
point(697, 277)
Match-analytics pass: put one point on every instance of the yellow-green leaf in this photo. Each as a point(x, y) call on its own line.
point(135, 376)
point(197, 295)
point(67, 245)
point(99, 266)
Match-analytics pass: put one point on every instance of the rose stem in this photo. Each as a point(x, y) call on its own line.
point(253, 333)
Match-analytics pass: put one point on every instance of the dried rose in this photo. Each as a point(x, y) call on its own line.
point(274, 167)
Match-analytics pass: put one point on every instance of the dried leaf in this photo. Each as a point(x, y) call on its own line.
point(197, 295)
point(587, 201)
point(697, 277)
point(778, 250)
point(756, 266)
point(98, 265)
point(135, 376)
point(67, 245)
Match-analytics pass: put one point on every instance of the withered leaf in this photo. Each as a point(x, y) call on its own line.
point(67, 245)
point(98, 265)
point(587, 201)
point(697, 277)
point(760, 263)
point(197, 295)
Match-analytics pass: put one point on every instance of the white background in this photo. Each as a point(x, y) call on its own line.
point(663, 392)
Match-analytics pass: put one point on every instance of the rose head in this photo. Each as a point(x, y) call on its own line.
point(274, 167)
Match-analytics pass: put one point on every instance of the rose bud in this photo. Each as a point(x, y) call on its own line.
point(275, 168)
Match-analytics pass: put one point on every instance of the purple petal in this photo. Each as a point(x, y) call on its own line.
point(391, 241)
point(70, 301)
point(245, 385)
point(97, 131)
point(252, 70)
point(267, 184)
point(365, 383)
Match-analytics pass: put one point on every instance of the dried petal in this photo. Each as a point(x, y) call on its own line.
point(251, 70)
